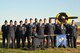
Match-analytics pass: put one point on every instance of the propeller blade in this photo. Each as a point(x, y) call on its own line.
point(52, 17)
point(72, 17)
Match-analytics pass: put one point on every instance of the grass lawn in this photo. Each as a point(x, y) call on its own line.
point(49, 50)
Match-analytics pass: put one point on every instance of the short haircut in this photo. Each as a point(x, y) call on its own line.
point(5, 21)
point(44, 18)
point(40, 20)
point(49, 19)
point(11, 21)
point(20, 21)
point(15, 21)
point(72, 20)
point(34, 27)
point(35, 18)
point(31, 19)
point(25, 19)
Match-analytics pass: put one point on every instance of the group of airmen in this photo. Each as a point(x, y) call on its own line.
point(36, 33)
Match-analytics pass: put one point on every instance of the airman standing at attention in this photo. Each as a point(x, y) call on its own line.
point(11, 34)
point(4, 30)
point(73, 34)
point(57, 30)
point(30, 30)
point(26, 32)
point(21, 34)
point(45, 30)
point(40, 31)
point(67, 32)
point(50, 32)
point(15, 27)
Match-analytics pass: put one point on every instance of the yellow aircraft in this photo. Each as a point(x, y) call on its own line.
point(62, 16)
